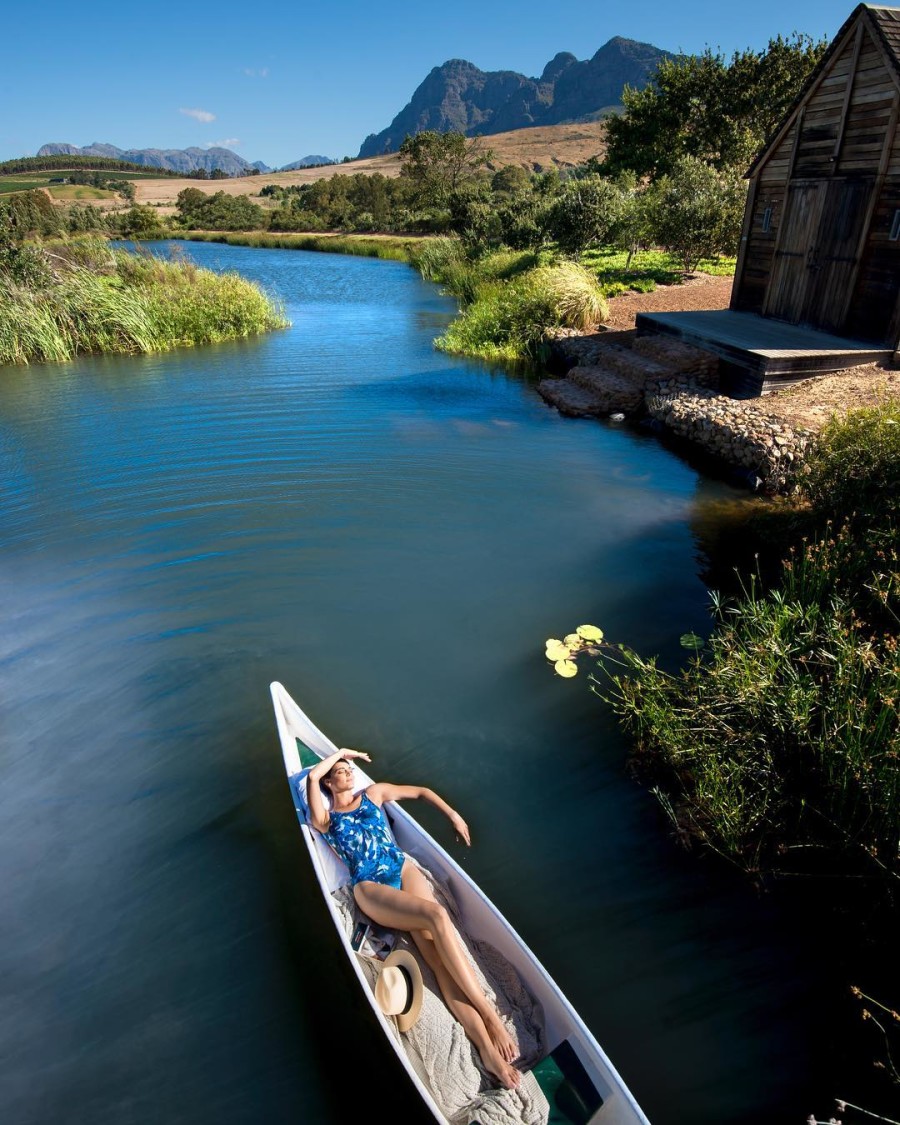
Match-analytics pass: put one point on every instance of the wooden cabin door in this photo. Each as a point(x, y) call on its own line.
point(836, 253)
point(816, 259)
point(790, 270)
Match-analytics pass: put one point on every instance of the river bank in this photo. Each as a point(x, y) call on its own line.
point(672, 388)
point(60, 300)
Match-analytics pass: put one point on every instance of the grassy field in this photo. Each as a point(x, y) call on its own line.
point(647, 269)
point(30, 181)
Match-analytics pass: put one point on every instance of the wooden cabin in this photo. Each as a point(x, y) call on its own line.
point(821, 239)
point(817, 281)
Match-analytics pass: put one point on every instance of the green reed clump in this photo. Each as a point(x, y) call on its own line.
point(511, 319)
point(780, 741)
point(97, 300)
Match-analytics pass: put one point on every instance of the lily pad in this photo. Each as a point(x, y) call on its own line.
point(558, 651)
point(572, 640)
point(691, 640)
point(566, 668)
point(590, 632)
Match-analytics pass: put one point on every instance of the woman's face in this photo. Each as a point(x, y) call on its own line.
point(340, 777)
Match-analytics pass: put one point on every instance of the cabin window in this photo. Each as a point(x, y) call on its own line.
point(895, 228)
point(767, 220)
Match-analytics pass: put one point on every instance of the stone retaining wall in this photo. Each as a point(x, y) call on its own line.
point(734, 431)
point(676, 385)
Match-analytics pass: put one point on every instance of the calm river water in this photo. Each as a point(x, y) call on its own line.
point(392, 534)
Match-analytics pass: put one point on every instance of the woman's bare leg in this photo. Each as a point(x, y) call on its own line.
point(471, 1021)
point(416, 909)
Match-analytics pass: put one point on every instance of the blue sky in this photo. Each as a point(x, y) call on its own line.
point(277, 81)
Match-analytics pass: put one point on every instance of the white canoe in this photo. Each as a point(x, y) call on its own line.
point(592, 1091)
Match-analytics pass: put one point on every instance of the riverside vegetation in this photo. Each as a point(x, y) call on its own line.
point(74, 298)
point(777, 747)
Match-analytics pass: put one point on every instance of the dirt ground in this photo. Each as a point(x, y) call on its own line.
point(809, 404)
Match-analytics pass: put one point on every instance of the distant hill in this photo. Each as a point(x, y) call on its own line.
point(536, 150)
point(459, 97)
point(307, 162)
point(183, 160)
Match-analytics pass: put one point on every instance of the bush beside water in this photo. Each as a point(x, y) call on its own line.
point(93, 299)
point(779, 744)
point(509, 300)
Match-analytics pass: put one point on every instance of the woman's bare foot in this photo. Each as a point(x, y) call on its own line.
point(501, 1039)
point(499, 1068)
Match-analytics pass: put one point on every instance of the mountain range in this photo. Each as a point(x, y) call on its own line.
point(182, 160)
point(459, 97)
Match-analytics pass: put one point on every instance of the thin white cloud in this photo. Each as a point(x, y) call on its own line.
point(199, 114)
point(227, 142)
point(261, 72)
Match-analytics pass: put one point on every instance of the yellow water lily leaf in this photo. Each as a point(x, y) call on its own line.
point(590, 632)
point(565, 668)
point(572, 640)
point(558, 651)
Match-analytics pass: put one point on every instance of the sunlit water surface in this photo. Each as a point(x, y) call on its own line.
point(393, 534)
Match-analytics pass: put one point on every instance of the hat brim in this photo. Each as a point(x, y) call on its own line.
point(403, 959)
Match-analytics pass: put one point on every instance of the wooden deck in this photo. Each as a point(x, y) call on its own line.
point(758, 354)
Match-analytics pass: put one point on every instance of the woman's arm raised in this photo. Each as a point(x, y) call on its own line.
point(319, 814)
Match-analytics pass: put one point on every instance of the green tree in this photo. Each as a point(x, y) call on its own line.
point(695, 212)
point(586, 213)
point(706, 106)
point(438, 164)
point(141, 222)
point(19, 263)
point(512, 179)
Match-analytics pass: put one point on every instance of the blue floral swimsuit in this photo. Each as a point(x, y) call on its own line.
point(363, 840)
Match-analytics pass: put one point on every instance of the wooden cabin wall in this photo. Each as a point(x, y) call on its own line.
point(873, 309)
point(755, 269)
point(840, 131)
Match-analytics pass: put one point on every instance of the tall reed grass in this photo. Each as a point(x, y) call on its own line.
point(111, 301)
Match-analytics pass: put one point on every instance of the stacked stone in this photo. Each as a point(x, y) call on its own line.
point(690, 364)
point(571, 399)
point(615, 392)
point(584, 350)
point(736, 432)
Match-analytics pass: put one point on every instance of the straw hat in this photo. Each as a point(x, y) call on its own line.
point(399, 988)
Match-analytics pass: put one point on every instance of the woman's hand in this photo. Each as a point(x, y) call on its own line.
point(355, 754)
point(460, 828)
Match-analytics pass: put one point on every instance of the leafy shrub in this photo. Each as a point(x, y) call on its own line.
point(855, 466)
point(510, 319)
point(695, 212)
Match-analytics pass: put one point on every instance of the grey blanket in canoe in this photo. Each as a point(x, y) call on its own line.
point(438, 1048)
